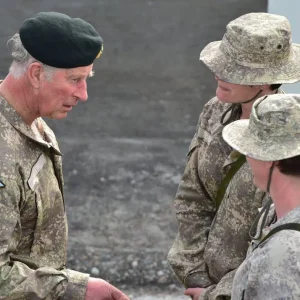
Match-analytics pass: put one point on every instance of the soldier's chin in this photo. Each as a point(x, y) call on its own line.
point(59, 116)
point(223, 96)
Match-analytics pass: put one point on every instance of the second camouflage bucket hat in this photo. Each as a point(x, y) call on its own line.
point(272, 132)
point(256, 49)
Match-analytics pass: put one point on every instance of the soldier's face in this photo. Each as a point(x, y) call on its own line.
point(59, 94)
point(235, 93)
point(260, 170)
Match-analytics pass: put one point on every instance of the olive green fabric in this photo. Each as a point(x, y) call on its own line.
point(226, 180)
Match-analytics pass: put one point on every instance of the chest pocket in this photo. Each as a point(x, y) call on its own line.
point(200, 136)
point(194, 143)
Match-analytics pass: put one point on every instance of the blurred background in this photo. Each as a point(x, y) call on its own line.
point(280, 7)
point(124, 150)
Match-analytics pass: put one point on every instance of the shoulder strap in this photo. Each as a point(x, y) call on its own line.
point(288, 226)
point(223, 186)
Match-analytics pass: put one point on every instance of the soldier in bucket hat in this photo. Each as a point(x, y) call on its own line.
point(216, 201)
point(53, 55)
point(270, 139)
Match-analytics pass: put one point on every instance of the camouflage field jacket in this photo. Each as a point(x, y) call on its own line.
point(272, 271)
point(33, 225)
point(211, 244)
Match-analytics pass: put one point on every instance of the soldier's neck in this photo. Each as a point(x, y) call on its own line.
point(285, 192)
point(246, 107)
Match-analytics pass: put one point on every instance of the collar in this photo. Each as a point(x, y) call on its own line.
point(32, 132)
point(291, 217)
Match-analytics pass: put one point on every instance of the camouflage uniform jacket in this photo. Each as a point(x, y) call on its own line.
point(33, 224)
point(211, 244)
point(272, 271)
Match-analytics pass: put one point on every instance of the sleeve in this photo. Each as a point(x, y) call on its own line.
point(193, 204)
point(194, 212)
point(220, 291)
point(273, 271)
point(77, 284)
point(19, 280)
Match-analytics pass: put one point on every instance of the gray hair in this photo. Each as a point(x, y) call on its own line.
point(22, 59)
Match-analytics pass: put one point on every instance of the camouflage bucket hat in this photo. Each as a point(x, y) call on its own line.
point(256, 49)
point(272, 132)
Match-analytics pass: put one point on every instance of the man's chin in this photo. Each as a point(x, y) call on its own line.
point(224, 100)
point(59, 116)
point(222, 96)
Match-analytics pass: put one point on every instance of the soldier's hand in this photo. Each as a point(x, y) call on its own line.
point(98, 289)
point(194, 292)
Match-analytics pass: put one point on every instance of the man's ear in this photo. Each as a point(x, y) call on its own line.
point(35, 73)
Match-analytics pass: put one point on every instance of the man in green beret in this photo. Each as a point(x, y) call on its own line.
point(53, 56)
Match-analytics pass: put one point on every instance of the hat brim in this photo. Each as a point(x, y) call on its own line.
point(238, 136)
point(229, 70)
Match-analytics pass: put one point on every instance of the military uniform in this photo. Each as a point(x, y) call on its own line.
point(210, 245)
point(271, 270)
point(33, 224)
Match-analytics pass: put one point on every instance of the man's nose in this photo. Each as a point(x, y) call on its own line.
point(81, 93)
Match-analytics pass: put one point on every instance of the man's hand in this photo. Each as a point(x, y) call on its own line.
point(194, 292)
point(99, 289)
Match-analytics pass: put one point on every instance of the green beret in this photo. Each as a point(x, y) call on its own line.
point(59, 41)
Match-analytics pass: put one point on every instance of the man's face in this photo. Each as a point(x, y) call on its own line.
point(63, 91)
point(260, 171)
point(235, 93)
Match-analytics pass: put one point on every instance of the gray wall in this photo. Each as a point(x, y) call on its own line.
point(289, 9)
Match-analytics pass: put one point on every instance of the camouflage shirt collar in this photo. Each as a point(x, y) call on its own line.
point(291, 217)
point(32, 131)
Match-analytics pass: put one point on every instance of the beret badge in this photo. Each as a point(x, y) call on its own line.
point(100, 52)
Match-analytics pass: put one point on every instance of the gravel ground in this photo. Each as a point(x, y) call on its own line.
point(146, 293)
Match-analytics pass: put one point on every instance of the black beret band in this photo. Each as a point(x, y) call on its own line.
point(59, 41)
